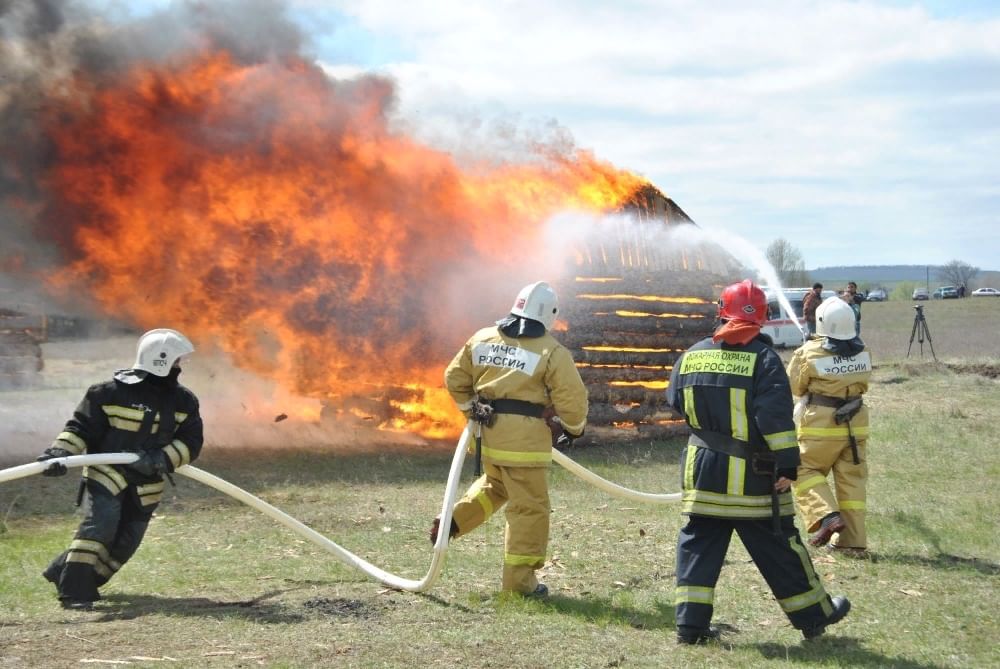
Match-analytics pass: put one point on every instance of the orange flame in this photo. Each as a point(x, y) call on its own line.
point(272, 210)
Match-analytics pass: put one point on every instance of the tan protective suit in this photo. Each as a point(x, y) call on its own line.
point(824, 445)
point(516, 450)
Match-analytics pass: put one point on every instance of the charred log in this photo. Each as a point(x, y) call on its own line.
point(653, 397)
point(582, 307)
point(650, 324)
point(596, 375)
point(605, 357)
point(636, 342)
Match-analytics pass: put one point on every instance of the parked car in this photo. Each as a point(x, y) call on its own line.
point(877, 295)
point(920, 294)
point(986, 292)
point(945, 293)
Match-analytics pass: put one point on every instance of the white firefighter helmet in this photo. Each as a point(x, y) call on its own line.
point(537, 301)
point(835, 319)
point(158, 350)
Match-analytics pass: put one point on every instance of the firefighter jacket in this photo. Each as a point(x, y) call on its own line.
point(133, 414)
point(738, 395)
point(539, 370)
point(814, 369)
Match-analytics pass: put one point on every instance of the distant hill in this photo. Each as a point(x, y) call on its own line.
point(889, 275)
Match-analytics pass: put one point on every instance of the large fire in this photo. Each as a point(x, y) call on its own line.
point(274, 211)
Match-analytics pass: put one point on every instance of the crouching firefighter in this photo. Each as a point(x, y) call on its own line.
point(140, 410)
point(830, 373)
point(505, 378)
point(736, 471)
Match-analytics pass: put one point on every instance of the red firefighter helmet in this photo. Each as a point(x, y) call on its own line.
point(743, 301)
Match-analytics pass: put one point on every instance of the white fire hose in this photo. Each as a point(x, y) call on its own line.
point(342, 554)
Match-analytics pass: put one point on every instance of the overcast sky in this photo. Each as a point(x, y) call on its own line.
point(861, 132)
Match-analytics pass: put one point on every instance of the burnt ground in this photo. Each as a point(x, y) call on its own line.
point(989, 370)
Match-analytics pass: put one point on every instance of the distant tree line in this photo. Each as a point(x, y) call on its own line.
point(789, 265)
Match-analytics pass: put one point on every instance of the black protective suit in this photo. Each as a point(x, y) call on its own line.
point(134, 412)
point(736, 398)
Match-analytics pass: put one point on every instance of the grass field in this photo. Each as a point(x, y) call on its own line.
point(216, 584)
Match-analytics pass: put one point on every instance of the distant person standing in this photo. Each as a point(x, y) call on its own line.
point(810, 303)
point(961, 290)
point(852, 297)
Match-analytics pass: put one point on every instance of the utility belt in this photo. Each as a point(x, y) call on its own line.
point(833, 402)
point(761, 461)
point(485, 412)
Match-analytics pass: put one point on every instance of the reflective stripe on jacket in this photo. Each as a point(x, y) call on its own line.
point(118, 417)
point(741, 392)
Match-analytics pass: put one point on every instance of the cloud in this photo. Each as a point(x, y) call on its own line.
point(862, 120)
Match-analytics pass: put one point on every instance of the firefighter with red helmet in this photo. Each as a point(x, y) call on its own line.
point(507, 377)
point(140, 410)
point(737, 468)
point(829, 374)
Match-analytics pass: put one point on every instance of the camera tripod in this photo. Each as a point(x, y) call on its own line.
point(921, 332)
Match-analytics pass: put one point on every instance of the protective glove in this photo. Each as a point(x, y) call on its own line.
point(564, 441)
point(553, 423)
point(152, 463)
point(56, 468)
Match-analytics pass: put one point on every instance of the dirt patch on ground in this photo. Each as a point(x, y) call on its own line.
point(339, 607)
point(989, 370)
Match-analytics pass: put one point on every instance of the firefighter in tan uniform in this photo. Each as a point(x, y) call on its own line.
point(829, 374)
point(506, 377)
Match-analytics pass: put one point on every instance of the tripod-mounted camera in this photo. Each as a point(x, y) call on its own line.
point(921, 332)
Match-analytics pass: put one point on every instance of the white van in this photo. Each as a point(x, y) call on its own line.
point(780, 327)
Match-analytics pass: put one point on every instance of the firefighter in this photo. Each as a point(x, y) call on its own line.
point(737, 468)
point(506, 378)
point(829, 373)
point(140, 410)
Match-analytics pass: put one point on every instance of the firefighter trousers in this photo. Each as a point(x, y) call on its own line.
point(109, 534)
point(816, 500)
point(525, 491)
point(782, 561)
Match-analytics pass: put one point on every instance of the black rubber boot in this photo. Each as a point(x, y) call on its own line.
point(697, 635)
point(541, 591)
point(841, 606)
point(76, 604)
point(52, 575)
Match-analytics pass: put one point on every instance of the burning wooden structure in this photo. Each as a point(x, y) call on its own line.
point(638, 297)
point(635, 304)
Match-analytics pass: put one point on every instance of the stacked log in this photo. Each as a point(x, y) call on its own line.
point(632, 308)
